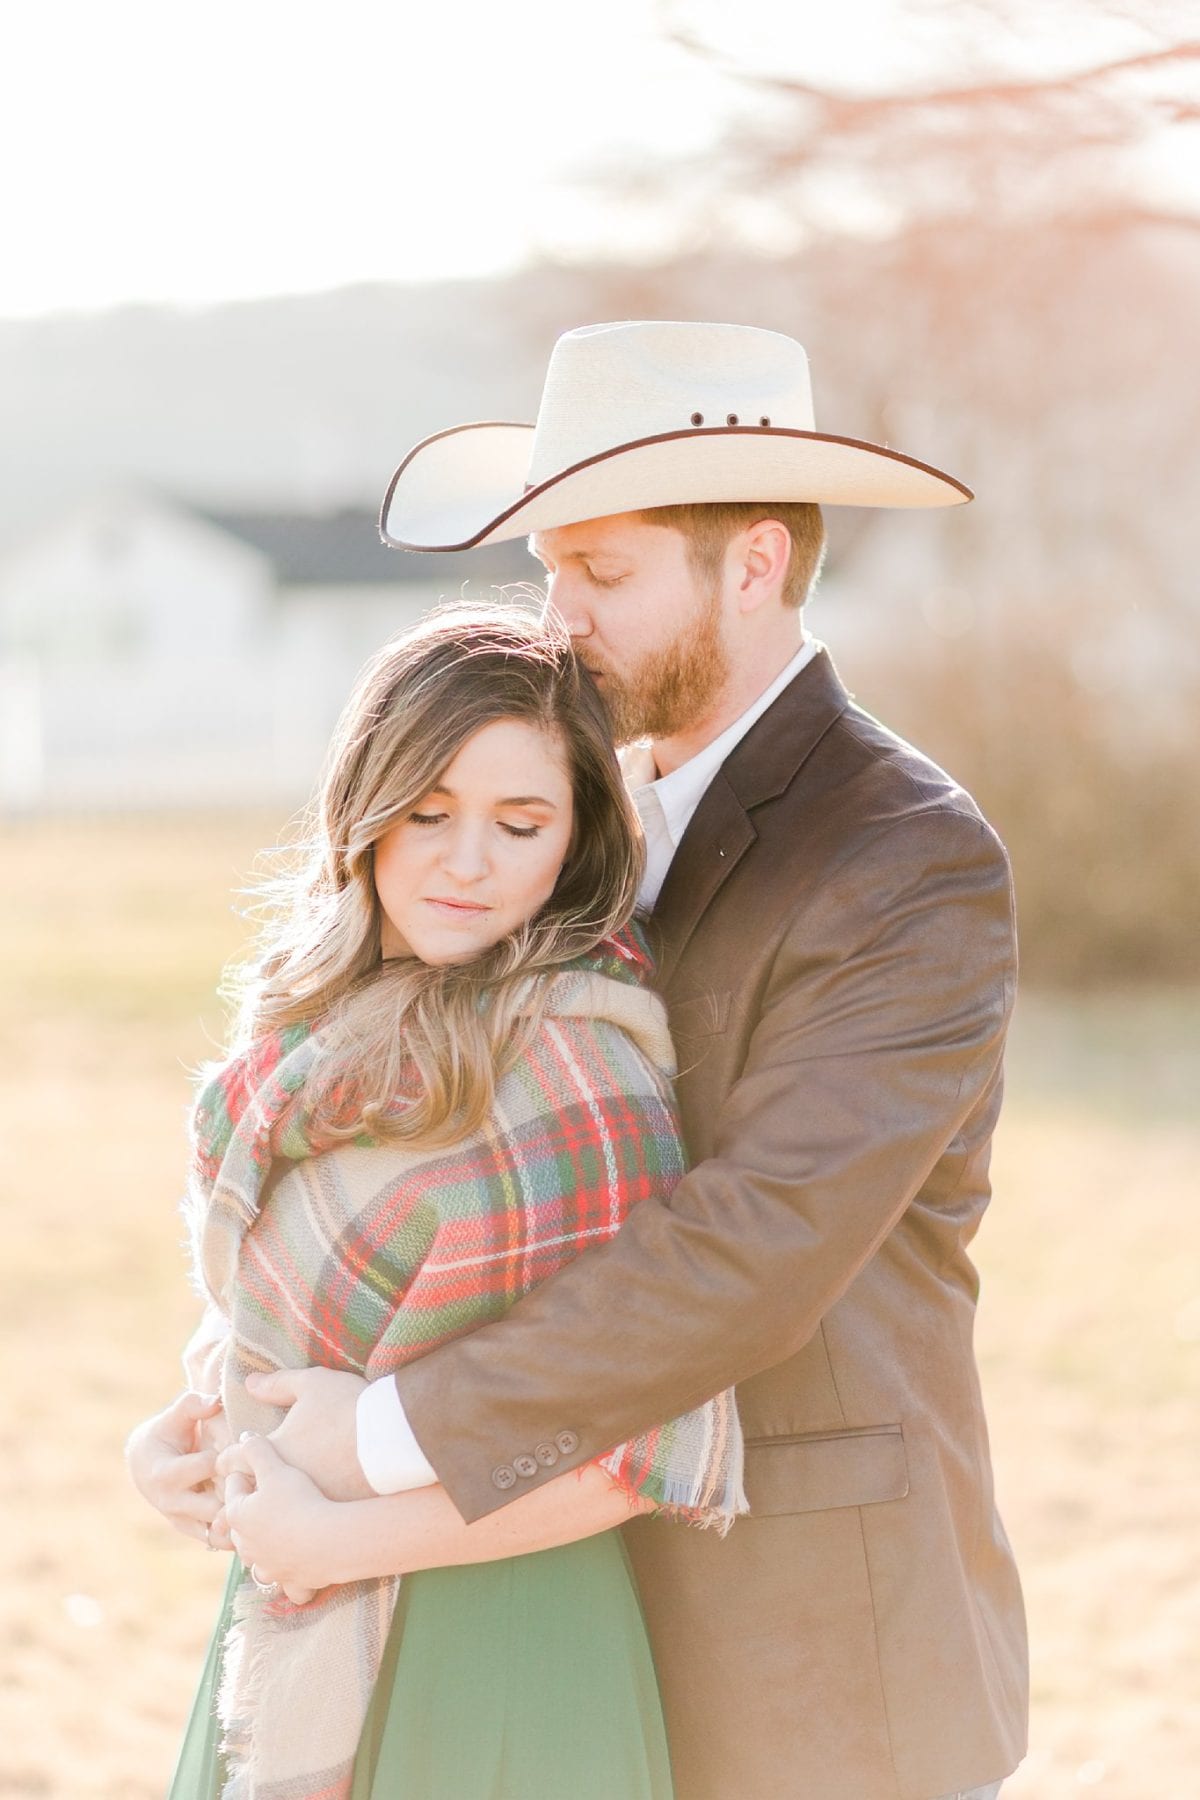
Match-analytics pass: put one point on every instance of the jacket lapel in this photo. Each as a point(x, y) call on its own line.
point(719, 835)
point(721, 830)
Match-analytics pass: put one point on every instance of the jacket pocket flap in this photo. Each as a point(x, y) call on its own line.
point(818, 1471)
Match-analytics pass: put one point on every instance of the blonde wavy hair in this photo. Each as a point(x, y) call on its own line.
point(411, 1051)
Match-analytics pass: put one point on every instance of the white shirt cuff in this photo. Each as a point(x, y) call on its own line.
point(391, 1458)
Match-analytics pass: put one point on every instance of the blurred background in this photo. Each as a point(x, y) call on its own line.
point(249, 257)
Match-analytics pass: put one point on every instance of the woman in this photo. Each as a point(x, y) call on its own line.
point(451, 1080)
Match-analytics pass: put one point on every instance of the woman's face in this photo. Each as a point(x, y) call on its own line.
point(480, 852)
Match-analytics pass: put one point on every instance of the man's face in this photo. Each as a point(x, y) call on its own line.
point(649, 633)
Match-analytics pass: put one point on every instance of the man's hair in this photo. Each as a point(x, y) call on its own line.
point(708, 529)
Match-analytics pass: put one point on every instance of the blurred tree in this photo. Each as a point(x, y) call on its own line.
point(969, 218)
point(996, 109)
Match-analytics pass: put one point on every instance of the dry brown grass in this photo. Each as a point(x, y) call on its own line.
point(1089, 1330)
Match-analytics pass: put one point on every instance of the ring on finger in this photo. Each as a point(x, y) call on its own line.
point(267, 1588)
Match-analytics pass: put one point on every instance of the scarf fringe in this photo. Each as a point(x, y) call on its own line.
point(245, 1662)
point(682, 1500)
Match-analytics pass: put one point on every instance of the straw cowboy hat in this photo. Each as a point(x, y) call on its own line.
point(640, 414)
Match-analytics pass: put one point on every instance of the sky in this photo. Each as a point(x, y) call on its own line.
point(156, 152)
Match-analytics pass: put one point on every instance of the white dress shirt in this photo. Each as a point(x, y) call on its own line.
point(391, 1458)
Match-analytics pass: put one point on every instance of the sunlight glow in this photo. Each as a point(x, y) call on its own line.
point(159, 154)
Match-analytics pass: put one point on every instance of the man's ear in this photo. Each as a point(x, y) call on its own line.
point(765, 552)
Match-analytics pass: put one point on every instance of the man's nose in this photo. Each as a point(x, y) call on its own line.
point(566, 599)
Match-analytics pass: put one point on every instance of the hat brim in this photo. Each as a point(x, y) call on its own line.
point(466, 486)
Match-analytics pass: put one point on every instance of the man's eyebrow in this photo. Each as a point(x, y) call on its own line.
point(511, 800)
point(588, 553)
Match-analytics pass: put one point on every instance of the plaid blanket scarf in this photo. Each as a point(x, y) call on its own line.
point(364, 1256)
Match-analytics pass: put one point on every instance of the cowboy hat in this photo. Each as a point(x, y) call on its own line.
point(641, 414)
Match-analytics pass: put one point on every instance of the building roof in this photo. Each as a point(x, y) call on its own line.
point(334, 549)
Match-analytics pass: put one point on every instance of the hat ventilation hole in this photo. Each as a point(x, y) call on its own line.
point(697, 418)
point(731, 418)
point(764, 420)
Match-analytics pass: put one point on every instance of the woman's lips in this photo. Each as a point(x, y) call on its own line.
point(457, 909)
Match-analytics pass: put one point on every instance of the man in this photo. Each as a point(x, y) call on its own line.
point(834, 928)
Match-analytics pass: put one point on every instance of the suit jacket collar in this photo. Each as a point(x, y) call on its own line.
point(758, 769)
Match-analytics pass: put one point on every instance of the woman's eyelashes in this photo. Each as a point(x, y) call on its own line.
point(516, 831)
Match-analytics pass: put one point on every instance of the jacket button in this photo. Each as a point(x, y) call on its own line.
point(567, 1441)
point(546, 1454)
point(525, 1466)
point(504, 1476)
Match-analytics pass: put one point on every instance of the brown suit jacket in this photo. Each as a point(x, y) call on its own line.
point(837, 948)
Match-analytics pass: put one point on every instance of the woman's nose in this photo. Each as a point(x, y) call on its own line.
point(464, 854)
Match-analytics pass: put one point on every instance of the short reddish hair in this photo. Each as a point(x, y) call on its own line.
point(708, 528)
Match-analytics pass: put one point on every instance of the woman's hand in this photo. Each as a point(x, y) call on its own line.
point(174, 1471)
point(319, 1432)
point(282, 1526)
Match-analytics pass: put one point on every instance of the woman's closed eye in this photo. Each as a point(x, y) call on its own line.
point(517, 831)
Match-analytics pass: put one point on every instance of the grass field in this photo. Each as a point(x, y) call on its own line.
point(1089, 1330)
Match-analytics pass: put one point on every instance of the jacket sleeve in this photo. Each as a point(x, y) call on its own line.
point(881, 1026)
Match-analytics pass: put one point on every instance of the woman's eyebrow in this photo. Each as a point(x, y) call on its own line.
point(512, 800)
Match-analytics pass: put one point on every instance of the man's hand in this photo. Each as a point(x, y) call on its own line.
point(174, 1470)
point(320, 1434)
point(283, 1527)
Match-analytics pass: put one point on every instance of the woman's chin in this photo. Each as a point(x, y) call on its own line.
point(438, 954)
point(434, 950)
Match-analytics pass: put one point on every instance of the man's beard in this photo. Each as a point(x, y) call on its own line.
point(674, 688)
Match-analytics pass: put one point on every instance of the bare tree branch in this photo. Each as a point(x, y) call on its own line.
point(848, 107)
point(1027, 145)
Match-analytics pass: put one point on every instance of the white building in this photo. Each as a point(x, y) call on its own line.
point(153, 654)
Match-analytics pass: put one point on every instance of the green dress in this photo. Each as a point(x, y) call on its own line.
point(524, 1679)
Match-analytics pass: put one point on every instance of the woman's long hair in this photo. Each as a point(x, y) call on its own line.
point(411, 1051)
